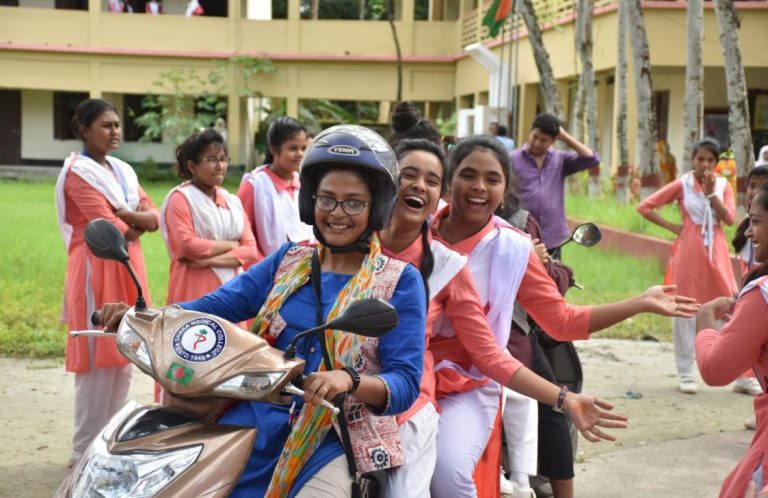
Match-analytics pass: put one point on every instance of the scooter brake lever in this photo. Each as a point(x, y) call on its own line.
point(92, 333)
point(291, 389)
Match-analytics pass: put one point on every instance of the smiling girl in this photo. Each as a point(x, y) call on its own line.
point(742, 343)
point(270, 192)
point(452, 299)
point(504, 268)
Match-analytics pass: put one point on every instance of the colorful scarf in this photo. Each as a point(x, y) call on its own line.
point(314, 422)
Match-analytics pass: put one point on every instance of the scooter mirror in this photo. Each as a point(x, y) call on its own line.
point(105, 241)
point(587, 234)
point(367, 317)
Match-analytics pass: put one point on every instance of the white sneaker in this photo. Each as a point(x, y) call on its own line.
point(511, 490)
point(688, 386)
point(747, 385)
point(751, 423)
point(507, 488)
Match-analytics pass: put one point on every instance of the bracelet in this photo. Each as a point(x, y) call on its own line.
point(713, 194)
point(561, 399)
point(355, 378)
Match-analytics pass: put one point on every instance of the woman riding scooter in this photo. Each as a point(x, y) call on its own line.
point(347, 192)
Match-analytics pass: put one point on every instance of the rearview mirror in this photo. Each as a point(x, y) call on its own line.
point(587, 234)
point(105, 241)
point(367, 317)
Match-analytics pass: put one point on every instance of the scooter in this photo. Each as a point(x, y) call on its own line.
point(203, 363)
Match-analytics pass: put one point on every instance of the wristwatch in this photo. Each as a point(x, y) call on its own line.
point(355, 379)
point(561, 399)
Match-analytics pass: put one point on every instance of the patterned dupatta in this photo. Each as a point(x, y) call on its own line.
point(314, 422)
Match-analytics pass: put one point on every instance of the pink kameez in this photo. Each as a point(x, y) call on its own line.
point(741, 343)
point(690, 267)
point(109, 281)
point(186, 282)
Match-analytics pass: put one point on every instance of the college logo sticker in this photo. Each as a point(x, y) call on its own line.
point(199, 340)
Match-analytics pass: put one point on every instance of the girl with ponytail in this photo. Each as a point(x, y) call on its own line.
point(269, 193)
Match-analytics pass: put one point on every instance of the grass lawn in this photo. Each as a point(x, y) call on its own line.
point(33, 263)
point(609, 276)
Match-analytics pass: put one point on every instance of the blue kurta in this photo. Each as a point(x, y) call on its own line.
point(401, 353)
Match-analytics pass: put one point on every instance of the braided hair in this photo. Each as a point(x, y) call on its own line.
point(421, 144)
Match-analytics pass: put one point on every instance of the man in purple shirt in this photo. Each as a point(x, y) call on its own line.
point(541, 171)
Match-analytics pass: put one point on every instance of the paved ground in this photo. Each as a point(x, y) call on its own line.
point(677, 445)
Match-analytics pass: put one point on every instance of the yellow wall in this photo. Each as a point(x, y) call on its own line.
point(42, 50)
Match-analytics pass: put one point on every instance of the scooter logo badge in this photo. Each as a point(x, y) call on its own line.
point(199, 340)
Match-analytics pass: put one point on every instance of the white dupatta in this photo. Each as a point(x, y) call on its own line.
point(121, 189)
point(210, 221)
point(700, 209)
point(278, 214)
point(498, 264)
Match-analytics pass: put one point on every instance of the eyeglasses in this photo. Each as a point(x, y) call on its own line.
point(215, 159)
point(350, 206)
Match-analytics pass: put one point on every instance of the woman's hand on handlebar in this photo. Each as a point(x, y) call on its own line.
point(112, 314)
point(660, 299)
point(326, 385)
point(589, 414)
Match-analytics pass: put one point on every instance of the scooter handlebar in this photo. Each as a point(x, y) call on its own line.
point(292, 389)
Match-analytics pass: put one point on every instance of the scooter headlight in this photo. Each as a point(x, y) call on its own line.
point(134, 348)
point(249, 386)
point(134, 475)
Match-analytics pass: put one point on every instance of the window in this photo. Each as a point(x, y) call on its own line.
point(64, 105)
point(133, 107)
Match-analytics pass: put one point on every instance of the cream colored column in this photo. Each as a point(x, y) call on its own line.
point(235, 128)
point(94, 23)
point(292, 106)
point(529, 95)
point(408, 9)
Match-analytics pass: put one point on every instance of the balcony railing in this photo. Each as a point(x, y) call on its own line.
point(549, 12)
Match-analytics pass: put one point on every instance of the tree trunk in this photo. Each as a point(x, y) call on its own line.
point(587, 84)
point(738, 106)
point(646, 114)
point(694, 81)
point(390, 18)
point(361, 7)
point(314, 9)
point(622, 172)
point(552, 102)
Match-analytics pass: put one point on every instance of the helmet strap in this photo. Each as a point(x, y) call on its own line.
point(362, 244)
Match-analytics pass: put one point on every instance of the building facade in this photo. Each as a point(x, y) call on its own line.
point(55, 52)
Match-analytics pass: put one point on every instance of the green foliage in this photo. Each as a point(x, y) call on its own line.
point(610, 276)
point(148, 171)
point(447, 126)
point(171, 110)
point(317, 114)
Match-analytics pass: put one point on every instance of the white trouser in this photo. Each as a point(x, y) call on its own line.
point(685, 337)
point(466, 423)
point(99, 394)
point(332, 481)
point(418, 436)
point(521, 428)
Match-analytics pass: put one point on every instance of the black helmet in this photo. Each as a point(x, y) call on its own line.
point(355, 147)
